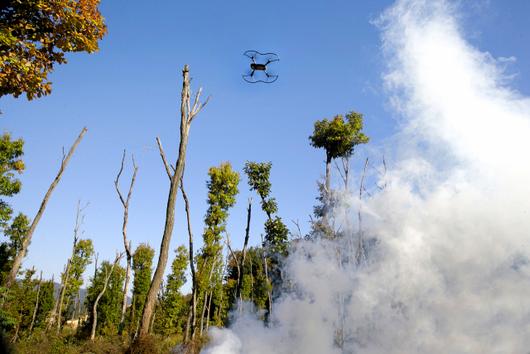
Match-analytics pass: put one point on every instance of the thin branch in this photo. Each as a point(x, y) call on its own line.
point(164, 160)
point(117, 180)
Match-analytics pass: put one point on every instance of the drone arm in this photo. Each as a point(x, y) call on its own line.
point(271, 61)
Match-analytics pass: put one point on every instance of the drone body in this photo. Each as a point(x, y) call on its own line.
point(258, 67)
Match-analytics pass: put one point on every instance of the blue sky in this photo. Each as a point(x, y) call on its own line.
point(128, 93)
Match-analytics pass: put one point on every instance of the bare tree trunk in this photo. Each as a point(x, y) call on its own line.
point(190, 331)
point(187, 113)
point(36, 308)
point(101, 293)
point(127, 246)
point(241, 274)
point(25, 243)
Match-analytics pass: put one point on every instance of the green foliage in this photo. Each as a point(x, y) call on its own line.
point(173, 306)
point(19, 303)
point(258, 177)
point(82, 257)
point(276, 236)
point(10, 164)
point(15, 234)
point(142, 269)
point(222, 189)
point(46, 303)
point(276, 233)
point(36, 34)
point(255, 286)
point(339, 136)
point(109, 306)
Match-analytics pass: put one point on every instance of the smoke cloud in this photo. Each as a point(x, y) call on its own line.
point(448, 270)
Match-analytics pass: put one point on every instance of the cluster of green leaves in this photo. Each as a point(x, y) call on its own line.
point(109, 306)
point(36, 34)
point(142, 270)
point(339, 136)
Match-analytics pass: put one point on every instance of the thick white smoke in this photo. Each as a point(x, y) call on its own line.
point(450, 271)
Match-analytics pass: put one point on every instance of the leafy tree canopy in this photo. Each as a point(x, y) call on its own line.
point(10, 163)
point(36, 34)
point(339, 136)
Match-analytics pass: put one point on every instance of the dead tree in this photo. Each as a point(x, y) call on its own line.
point(108, 274)
point(17, 262)
point(126, 245)
point(188, 112)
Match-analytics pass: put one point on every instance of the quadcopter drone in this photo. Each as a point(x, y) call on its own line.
point(258, 67)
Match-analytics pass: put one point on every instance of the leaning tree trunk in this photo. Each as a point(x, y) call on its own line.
point(25, 244)
point(187, 113)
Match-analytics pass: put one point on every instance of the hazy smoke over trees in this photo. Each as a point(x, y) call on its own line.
point(449, 271)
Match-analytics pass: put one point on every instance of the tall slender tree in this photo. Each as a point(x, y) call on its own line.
point(222, 190)
point(188, 112)
point(338, 137)
point(276, 233)
point(125, 203)
point(17, 262)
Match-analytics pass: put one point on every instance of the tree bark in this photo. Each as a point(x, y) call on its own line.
point(187, 113)
point(100, 295)
point(25, 244)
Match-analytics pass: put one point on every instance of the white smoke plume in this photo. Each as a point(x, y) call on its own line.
point(450, 270)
